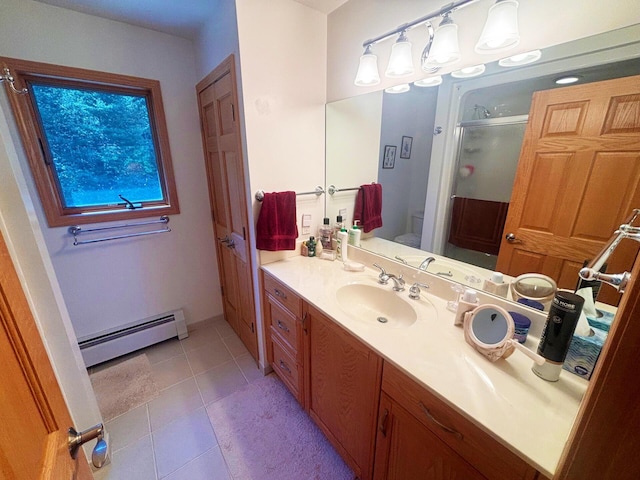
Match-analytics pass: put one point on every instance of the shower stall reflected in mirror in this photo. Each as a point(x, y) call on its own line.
point(487, 159)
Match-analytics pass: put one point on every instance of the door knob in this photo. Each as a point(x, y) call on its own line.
point(226, 239)
point(76, 440)
point(511, 238)
point(231, 243)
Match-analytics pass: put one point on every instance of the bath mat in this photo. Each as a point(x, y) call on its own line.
point(265, 435)
point(124, 386)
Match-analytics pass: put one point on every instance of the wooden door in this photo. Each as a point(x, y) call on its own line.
point(33, 414)
point(407, 450)
point(577, 180)
point(219, 117)
point(342, 384)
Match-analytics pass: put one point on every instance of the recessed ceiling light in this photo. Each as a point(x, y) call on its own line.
point(468, 72)
point(402, 88)
point(520, 59)
point(567, 80)
point(429, 81)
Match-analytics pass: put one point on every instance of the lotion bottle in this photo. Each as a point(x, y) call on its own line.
point(496, 285)
point(343, 240)
point(468, 301)
point(354, 234)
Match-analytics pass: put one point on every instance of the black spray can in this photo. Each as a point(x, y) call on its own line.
point(557, 334)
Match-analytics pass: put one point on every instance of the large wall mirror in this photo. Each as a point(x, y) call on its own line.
point(447, 157)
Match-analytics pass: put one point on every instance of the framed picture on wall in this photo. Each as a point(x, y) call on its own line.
point(405, 148)
point(389, 159)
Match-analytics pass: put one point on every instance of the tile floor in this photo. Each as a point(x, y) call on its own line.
point(148, 442)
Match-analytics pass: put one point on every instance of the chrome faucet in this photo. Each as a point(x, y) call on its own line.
point(425, 263)
point(384, 277)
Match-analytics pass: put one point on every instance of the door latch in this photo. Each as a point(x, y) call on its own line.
point(76, 440)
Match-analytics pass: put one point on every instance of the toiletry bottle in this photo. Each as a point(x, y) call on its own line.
point(311, 246)
point(496, 285)
point(354, 234)
point(557, 334)
point(336, 229)
point(468, 301)
point(343, 240)
point(326, 233)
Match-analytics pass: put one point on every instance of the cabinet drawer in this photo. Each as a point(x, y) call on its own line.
point(488, 456)
point(284, 324)
point(287, 368)
point(283, 294)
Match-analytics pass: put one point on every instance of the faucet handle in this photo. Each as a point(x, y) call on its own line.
point(414, 291)
point(383, 278)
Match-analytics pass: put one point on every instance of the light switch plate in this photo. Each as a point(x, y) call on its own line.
point(306, 223)
point(343, 213)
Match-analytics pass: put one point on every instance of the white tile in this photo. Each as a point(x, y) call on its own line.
point(235, 345)
point(249, 367)
point(220, 381)
point(200, 336)
point(204, 358)
point(182, 440)
point(164, 350)
point(174, 402)
point(209, 466)
point(133, 462)
point(128, 428)
point(223, 328)
point(171, 371)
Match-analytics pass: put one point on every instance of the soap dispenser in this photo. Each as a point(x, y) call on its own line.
point(467, 302)
point(343, 240)
point(496, 285)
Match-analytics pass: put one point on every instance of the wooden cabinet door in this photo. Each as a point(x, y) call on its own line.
point(407, 450)
point(219, 116)
point(577, 180)
point(342, 390)
point(33, 414)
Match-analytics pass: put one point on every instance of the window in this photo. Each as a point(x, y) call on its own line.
point(96, 142)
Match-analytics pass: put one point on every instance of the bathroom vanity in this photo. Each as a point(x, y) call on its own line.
point(408, 398)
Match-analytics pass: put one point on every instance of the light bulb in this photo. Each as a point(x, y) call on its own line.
point(500, 31)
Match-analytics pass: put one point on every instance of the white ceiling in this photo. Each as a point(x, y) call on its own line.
point(183, 19)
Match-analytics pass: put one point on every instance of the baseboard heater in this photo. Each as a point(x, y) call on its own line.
point(112, 343)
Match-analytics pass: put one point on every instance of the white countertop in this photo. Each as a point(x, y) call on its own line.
point(530, 416)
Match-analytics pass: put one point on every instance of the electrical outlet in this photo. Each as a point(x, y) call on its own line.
point(306, 223)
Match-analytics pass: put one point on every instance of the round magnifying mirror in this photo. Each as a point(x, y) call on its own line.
point(491, 327)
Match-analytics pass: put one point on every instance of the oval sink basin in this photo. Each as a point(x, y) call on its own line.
point(374, 304)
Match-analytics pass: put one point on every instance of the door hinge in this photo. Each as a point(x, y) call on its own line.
point(233, 112)
point(244, 233)
point(252, 329)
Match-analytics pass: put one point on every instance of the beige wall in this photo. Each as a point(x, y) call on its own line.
point(542, 23)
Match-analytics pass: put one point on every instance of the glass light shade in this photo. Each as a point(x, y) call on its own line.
point(445, 49)
point(400, 61)
point(500, 31)
point(468, 72)
point(520, 59)
point(429, 81)
point(567, 80)
point(367, 70)
point(402, 88)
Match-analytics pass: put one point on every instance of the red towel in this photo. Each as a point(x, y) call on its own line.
point(368, 208)
point(276, 228)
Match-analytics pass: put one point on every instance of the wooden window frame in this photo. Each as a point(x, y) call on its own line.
point(44, 176)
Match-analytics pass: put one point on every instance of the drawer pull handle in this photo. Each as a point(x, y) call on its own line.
point(382, 426)
point(441, 425)
point(284, 367)
point(280, 294)
point(282, 326)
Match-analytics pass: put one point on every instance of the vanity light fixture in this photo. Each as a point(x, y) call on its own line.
point(402, 88)
point(468, 72)
point(445, 49)
point(520, 59)
point(500, 31)
point(429, 81)
point(400, 61)
point(499, 34)
point(567, 80)
point(367, 69)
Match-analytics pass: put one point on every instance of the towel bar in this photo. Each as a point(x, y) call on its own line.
point(317, 192)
